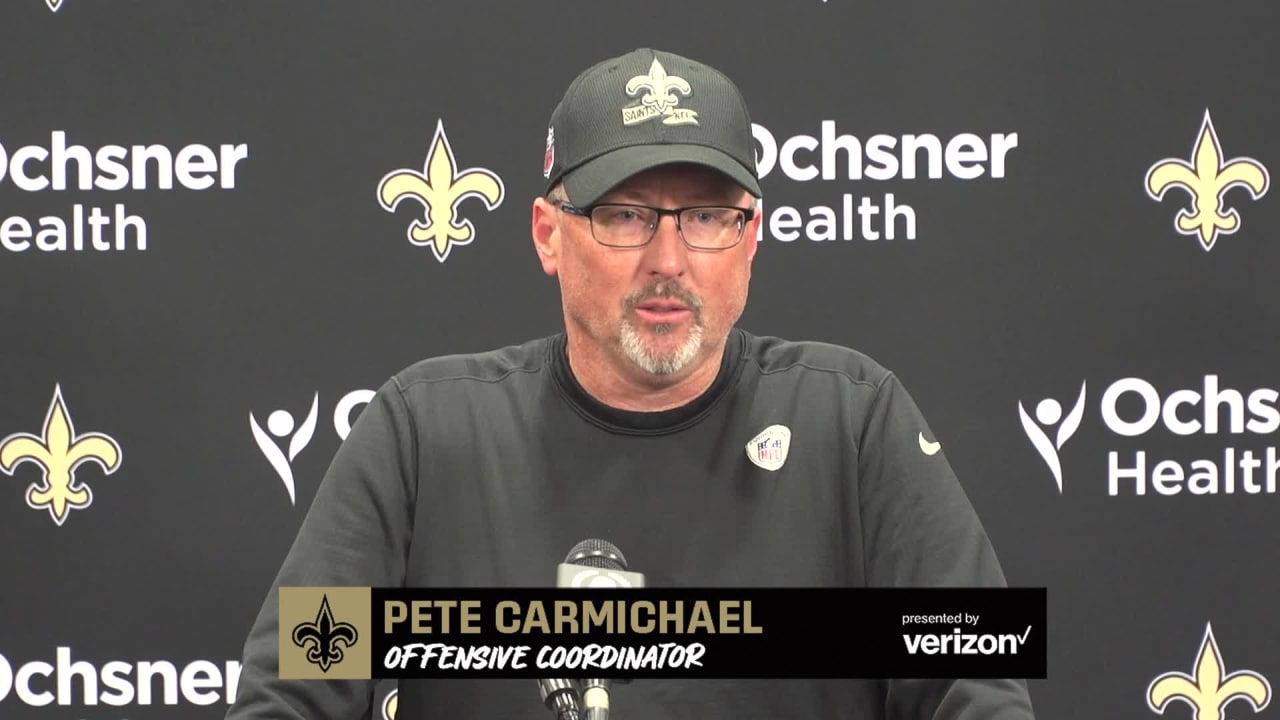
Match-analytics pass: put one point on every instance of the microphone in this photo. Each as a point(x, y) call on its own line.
point(559, 695)
point(596, 563)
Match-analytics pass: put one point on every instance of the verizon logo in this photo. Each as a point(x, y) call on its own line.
point(958, 643)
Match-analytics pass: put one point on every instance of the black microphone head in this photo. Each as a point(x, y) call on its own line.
point(598, 554)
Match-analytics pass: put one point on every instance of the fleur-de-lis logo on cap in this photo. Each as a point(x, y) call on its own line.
point(1211, 689)
point(660, 100)
point(1207, 178)
point(324, 639)
point(58, 453)
point(440, 190)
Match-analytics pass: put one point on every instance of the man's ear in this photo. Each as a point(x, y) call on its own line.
point(546, 234)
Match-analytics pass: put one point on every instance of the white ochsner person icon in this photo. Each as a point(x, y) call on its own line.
point(280, 424)
point(1048, 413)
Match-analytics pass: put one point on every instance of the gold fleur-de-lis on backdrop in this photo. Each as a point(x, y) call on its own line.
point(324, 639)
point(440, 190)
point(660, 86)
point(1207, 178)
point(58, 453)
point(1211, 689)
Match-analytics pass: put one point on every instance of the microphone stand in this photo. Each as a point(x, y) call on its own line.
point(561, 697)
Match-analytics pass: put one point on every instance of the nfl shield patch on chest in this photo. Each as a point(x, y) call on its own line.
point(769, 449)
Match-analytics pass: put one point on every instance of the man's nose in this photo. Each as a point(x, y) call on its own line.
point(667, 252)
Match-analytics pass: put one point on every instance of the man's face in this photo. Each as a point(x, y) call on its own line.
point(665, 307)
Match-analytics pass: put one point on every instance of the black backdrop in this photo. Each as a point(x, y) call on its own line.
point(287, 283)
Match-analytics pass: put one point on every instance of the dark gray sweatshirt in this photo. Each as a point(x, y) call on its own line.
point(483, 470)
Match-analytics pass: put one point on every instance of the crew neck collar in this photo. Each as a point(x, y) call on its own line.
point(639, 422)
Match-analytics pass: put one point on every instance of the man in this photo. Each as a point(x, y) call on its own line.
point(709, 456)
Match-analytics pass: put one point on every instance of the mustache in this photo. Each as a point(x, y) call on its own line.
point(663, 290)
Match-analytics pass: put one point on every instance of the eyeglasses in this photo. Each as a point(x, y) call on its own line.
point(705, 227)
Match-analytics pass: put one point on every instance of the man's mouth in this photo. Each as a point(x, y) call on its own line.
point(662, 311)
point(660, 306)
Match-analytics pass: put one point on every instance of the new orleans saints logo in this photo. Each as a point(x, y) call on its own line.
point(324, 639)
point(1207, 178)
point(59, 452)
point(660, 100)
point(440, 188)
point(1211, 689)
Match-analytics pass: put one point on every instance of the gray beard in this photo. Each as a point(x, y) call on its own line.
point(668, 363)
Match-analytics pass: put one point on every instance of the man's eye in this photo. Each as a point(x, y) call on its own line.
point(622, 216)
point(713, 216)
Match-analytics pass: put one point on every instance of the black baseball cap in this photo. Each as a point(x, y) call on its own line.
point(647, 108)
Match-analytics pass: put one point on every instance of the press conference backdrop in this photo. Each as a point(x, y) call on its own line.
point(1053, 220)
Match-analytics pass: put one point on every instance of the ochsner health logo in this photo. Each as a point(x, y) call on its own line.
point(1148, 425)
point(839, 159)
point(70, 682)
point(61, 165)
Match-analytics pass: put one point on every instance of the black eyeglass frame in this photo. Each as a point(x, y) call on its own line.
point(747, 215)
